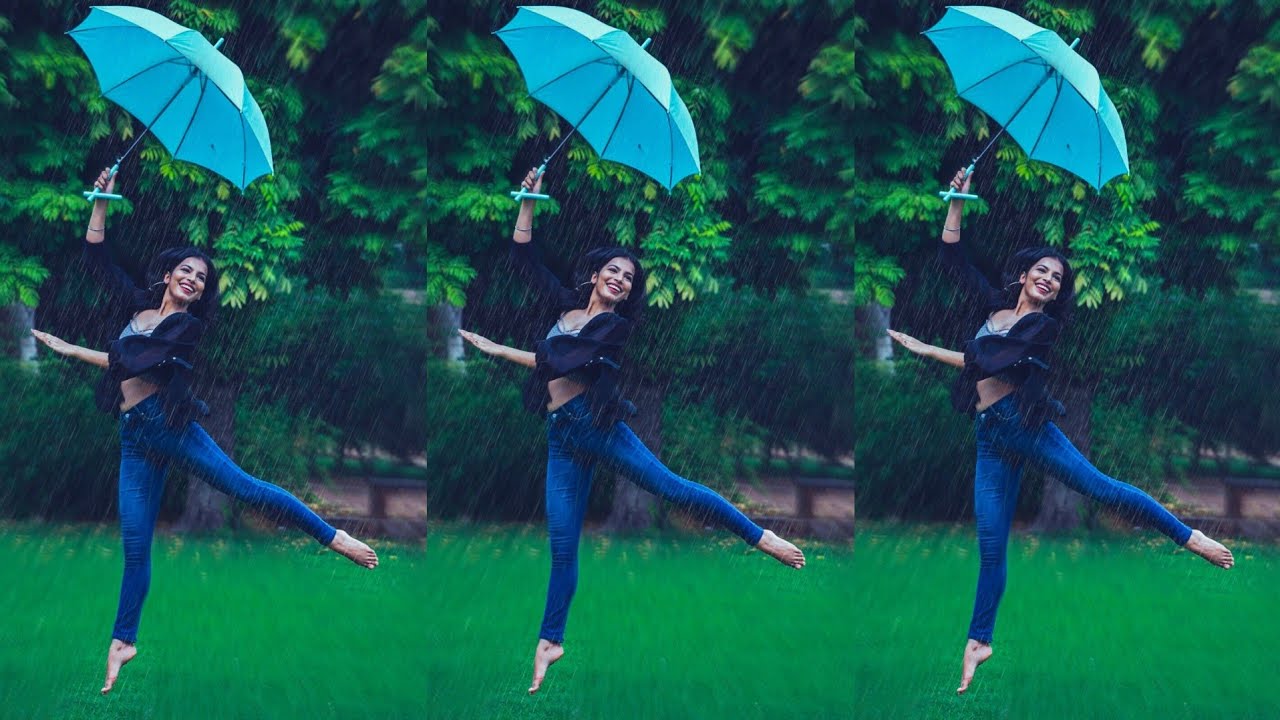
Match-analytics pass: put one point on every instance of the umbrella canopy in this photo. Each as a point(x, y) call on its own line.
point(1036, 87)
point(192, 98)
point(614, 93)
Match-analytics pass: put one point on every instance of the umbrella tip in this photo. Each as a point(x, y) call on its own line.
point(221, 40)
point(1074, 43)
point(646, 42)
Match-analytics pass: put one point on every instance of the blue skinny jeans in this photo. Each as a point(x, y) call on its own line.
point(1004, 447)
point(147, 447)
point(574, 447)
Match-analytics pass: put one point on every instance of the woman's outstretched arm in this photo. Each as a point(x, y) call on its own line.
point(950, 357)
point(489, 347)
point(62, 347)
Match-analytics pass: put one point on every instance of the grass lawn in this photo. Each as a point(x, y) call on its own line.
point(692, 626)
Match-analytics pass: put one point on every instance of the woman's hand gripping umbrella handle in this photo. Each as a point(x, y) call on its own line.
point(529, 192)
point(956, 192)
point(104, 193)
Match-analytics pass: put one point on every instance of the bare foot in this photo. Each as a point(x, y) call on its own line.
point(544, 657)
point(354, 550)
point(118, 654)
point(785, 552)
point(1210, 549)
point(975, 653)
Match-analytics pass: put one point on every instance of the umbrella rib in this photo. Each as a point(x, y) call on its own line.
point(1098, 124)
point(570, 71)
point(631, 83)
point(671, 154)
point(1056, 97)
point(997, 72)
point(204, 82)
point(244, 155)
point(146, 69)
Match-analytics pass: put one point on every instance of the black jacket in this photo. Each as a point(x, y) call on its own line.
point(165, 355)
point(1021, 356)
point(594, 354)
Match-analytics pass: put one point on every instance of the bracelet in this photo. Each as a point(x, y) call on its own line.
point(520, 229)
point(944, 227)
point(94, 229)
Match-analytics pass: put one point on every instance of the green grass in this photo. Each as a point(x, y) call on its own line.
point(687, 627)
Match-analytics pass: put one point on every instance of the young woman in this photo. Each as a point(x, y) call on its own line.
point(1003, 382)
point(574, 382)
point(147, 381)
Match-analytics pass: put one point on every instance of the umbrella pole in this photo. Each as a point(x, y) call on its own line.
point(949, 194)
point(522, 194)
point(94, 194)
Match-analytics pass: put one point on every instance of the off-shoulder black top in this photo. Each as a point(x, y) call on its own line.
point(164, 356)
point(1020, 357)
point(593, 356)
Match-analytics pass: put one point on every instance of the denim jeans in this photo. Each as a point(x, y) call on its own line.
point(147, 447)
point(574, 447)
point(1004, 446)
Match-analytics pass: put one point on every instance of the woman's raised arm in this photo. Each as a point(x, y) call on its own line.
point(524, 253)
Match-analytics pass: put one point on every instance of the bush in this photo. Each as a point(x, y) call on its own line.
point(487, 454)
point(914, 454)
point(1134, 446)
point(280, 447)
point(357, 363)
point(704, 446)
point(785, 363)
point(60, 456)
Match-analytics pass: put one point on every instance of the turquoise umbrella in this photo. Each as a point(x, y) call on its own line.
point(1047, 97)
point(614, 93)
point(192, 98)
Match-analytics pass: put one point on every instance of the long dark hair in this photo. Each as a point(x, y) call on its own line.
point(594, 261)
point(166, 262)
point(1022, 261)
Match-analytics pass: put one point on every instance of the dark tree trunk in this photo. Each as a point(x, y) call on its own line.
point(447, 320)
point(634, 509)
point(873, 319)
point(17, 320)
point(1060, 507)
point(206, 509)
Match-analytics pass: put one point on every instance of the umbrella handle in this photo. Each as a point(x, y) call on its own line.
point(96, 194)
point(951, 194)
point(523, 194)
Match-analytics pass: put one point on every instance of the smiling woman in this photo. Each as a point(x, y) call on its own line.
point(575, 384)
point(1003, 383)
point(147, 382)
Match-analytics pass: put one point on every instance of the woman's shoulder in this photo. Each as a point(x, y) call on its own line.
point(606, 324)
point(1037, 326)
point(179, 326)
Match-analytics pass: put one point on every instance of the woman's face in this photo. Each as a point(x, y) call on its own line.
point(186, 281)
point(1043, 280)
point(613, 281)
